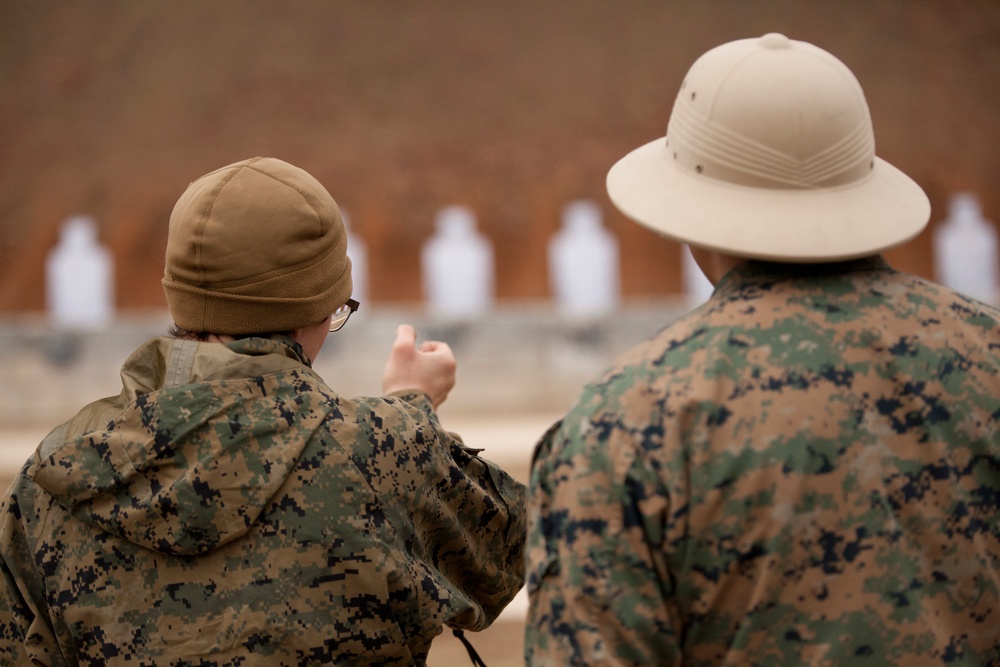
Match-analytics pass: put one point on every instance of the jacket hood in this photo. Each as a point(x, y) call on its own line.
point(200, 440)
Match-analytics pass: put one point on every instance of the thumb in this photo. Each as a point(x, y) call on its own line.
point(406, 336)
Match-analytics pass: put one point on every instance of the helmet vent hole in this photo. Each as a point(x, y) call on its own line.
point(693, 95)
point(698, 168)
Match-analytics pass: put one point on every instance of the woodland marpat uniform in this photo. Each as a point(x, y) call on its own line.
point(230, 509)
point(805, 470)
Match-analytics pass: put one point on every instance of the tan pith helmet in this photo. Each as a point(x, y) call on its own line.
point(770, 154)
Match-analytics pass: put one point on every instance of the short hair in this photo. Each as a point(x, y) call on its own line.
point(202, 336)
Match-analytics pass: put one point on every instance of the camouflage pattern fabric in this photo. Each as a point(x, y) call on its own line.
point(803, 471)
point(230, 509)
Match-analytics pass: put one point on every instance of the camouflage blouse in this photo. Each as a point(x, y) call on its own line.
point(229, 509)
point(805, 470)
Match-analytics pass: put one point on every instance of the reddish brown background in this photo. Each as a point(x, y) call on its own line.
point(110, 108)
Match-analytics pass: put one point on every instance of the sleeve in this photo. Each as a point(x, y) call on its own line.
point(598, 586)
point(15, 617)
point(26, 637)
point(460, 514)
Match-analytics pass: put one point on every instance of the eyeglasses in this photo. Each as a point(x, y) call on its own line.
point(342, 314)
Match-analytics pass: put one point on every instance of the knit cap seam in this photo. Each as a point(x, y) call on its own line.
point(206, 216)
point(319, 216)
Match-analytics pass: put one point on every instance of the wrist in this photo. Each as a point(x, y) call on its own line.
point(418, 398)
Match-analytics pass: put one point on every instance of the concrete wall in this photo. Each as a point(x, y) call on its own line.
point(522, 360)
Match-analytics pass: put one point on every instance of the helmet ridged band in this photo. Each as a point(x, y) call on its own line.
point(710, 149)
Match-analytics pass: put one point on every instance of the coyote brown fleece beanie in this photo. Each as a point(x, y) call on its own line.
point(255, 247)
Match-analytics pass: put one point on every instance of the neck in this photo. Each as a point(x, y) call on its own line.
point(715, 264)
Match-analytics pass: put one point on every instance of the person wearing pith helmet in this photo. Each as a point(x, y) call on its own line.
point(229, 507)
point(806, 468)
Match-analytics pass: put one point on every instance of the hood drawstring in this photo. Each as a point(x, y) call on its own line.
point(476, 660)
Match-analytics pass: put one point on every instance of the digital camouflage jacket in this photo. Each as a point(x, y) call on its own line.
point(229, 509)
point(803, 471)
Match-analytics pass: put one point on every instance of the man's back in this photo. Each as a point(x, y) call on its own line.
point(231, 509)
point(805, 470)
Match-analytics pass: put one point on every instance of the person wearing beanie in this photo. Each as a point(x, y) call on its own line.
point(805, 470)
point(229, 507)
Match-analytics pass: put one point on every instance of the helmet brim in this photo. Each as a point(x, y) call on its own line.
point(883, 210)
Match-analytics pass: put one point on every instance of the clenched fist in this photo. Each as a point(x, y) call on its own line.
point(429, 367)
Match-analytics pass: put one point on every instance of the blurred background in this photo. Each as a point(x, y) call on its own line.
point(443, 128)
